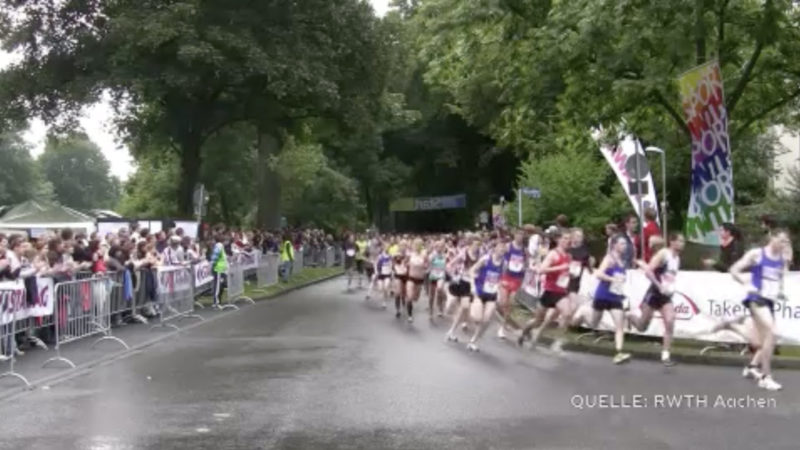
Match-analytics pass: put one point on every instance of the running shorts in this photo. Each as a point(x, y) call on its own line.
point(550, 299)
point(485, 298)
point(360, 265)
point(370, 269)
point(417, 281)
point(655, 299)
point(511, 284)
point(460, 289)
point(384, 277)
point(349, 263)
point(760, 301)
point(602, 304)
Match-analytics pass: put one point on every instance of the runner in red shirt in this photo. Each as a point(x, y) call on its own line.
point(650, 229)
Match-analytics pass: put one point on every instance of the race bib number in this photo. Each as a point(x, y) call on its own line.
point(563, 281)
point(617, 286)
point(490, 285)
point(516, 264)
point(770, 289)
point(437, 274)
point(351, 253)
point(456, 278)
point(575, 269)
point(386, 270)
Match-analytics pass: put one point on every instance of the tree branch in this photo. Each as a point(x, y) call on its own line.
point(748, 68)
point(721, 28)
point(673, 113)
point(764, 112)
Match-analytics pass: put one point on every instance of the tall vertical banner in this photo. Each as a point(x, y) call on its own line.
point(629, 163)
point(711, 202)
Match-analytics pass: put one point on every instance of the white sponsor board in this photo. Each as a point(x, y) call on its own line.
point(13, 301)
point(703, 299)
point(248, 260)
point(202, 274)
point(173, 279)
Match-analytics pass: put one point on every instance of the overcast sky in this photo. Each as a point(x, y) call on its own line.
point(96, 121)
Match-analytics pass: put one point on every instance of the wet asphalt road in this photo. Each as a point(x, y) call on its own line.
point(324, 369)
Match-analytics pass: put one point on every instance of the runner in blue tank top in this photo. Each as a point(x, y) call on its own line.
point(610, 296)
point(766, 267)
point(486, 281)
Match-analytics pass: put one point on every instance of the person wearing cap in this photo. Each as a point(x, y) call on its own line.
point(173, 254)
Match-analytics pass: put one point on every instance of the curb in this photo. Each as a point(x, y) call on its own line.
point(81, 369)
point(734, 360)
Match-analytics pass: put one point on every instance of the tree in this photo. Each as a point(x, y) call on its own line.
point(151, 191)
point(19, 178)
point(521, 70)
point(572, 181)
point(79, 172)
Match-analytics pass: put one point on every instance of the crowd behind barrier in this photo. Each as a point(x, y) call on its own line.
point(58, 289)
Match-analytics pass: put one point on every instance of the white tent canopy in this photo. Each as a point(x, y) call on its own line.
point(35, 217)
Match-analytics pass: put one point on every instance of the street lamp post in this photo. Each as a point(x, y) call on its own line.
point(663, 185)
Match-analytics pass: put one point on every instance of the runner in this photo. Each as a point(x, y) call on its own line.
point(374, 249)
point(513, 273)
point(460, 290)
point(438, 265)
point(486, 275)
point(581, 262)
point(609, 295)
point(766, 266)
point(383, 269)
point(349, 259)
point(661, 270)
point(417, 271)
point(361, 259)
point(400, 270)
point(554, 300)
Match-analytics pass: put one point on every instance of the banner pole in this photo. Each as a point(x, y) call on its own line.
point(642, 243)
point(519, 208)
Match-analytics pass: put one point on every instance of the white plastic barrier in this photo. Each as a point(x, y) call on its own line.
point(703, 299)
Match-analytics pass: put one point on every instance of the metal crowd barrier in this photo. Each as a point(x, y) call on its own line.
point(267, 271)
point(10, 303)
point(297, 264)
point(82, 308)
point(205, 286)
point(235, 288)
point(174, 296)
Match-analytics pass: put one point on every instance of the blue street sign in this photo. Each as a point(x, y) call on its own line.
point(531, 192)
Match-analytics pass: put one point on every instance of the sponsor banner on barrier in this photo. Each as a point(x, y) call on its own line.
point(14, 301)
point(711, 201)
point(248, 261)
point(172, 279)
point(202, 274)
point(703, 299)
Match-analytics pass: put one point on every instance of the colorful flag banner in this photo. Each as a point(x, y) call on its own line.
point(711, 201)
point(629, 163)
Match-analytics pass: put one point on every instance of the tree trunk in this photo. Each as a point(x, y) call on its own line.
point(700, 31)
point(268, 215)
point(190, 174)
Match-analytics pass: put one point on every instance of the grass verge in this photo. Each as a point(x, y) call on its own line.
point(308, 275)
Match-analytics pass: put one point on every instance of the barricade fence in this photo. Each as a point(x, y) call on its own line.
point(59, 313)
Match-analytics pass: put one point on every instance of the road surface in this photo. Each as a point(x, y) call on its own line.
point(321, 368)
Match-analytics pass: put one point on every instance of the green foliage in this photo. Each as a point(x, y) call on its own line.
point(20, 179)
point(313, 192)
point(79, 172)
point(572, 181)
point(151, 190)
